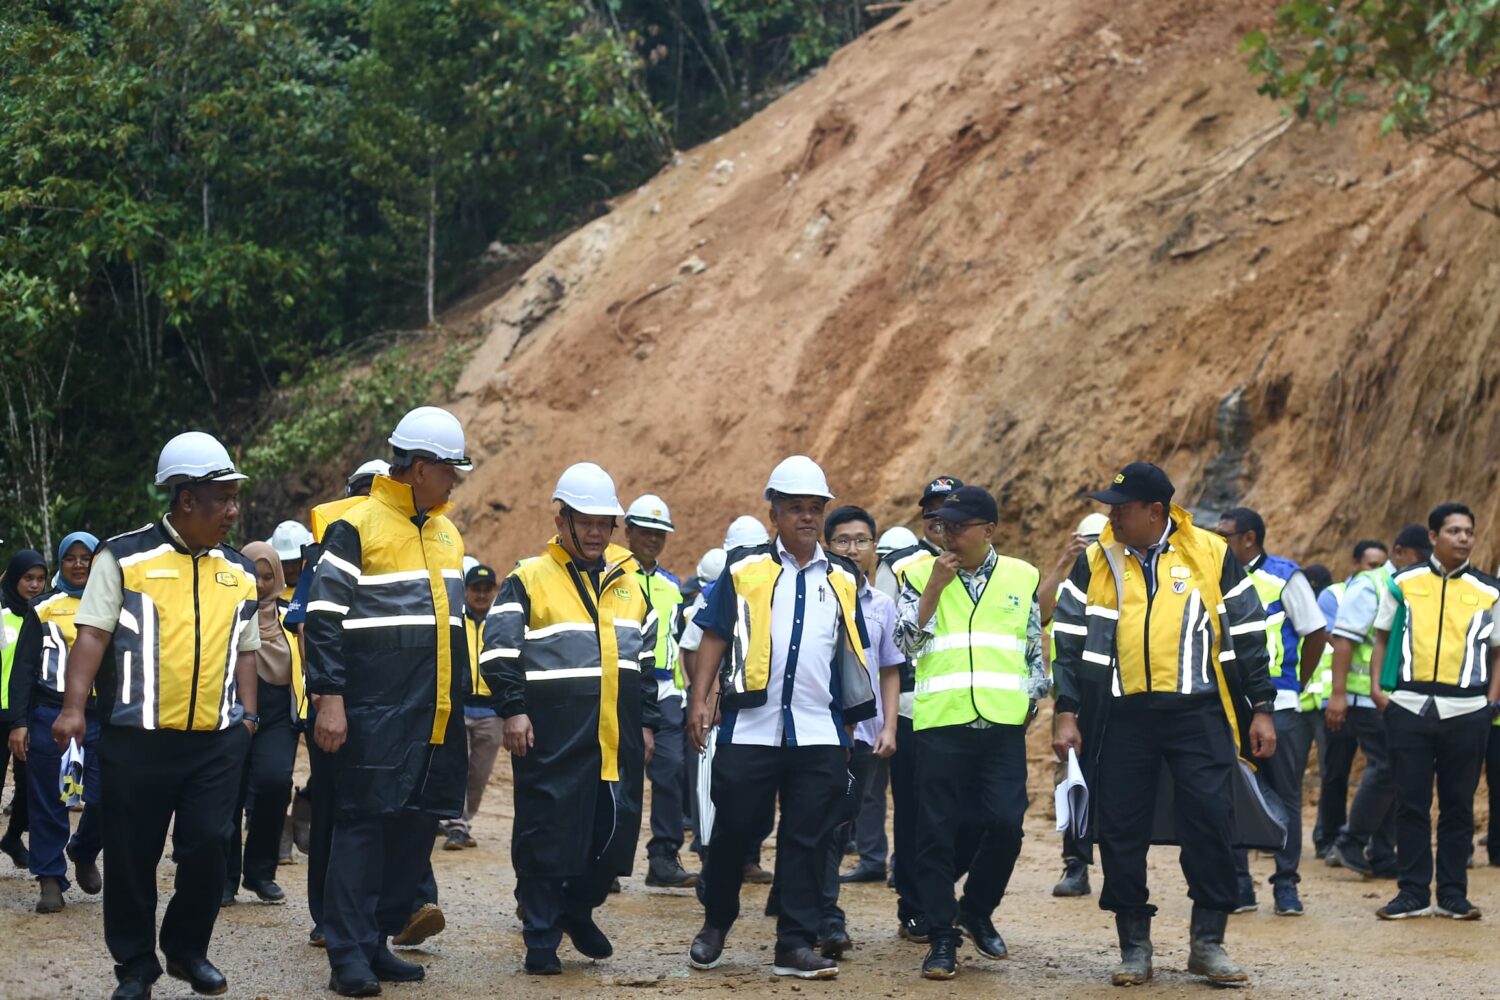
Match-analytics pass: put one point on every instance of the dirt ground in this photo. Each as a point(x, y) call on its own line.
point(1059, 947)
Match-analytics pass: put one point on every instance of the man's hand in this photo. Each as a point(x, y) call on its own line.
point(885, 743)
point(70, 725)
point(944, 569)
point(650, 740)
point(1336, 712)
point(20, 742)
point(1381, 699)
point(1068, 736)
point(519, 736)
point(1262, 735)
point(1069, 556)
point(698, 722)
point(332, 729)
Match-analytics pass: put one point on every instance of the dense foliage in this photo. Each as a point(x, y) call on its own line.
point(203, 201)
point(1427, 67)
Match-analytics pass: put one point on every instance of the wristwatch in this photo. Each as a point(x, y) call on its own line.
point(254, 721)
point(1264, 708)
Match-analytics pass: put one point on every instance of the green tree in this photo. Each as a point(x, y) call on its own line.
point(1426, 66)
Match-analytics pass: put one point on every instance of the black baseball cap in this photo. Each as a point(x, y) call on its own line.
point(968, 503)
point(939, 487)
point(479, 574)
point(1137, 481)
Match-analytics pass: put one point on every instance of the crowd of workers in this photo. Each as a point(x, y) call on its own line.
point(164, 679)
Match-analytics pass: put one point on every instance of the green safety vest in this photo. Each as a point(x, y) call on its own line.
point(974, 667)
point(1320, 688)
point(12, 625)
point(664, 596)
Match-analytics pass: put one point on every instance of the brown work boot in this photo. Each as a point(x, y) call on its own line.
point(1206, 954)
point(423, 924)
point(50, 899)
point(756, 875)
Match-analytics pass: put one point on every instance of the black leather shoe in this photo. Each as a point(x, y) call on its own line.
point(540, 962)
point(227, 899)
point(86, 875)
point(12, 848)
point(354, 981)
point(981, 930)
point(586, 937)
point(835, 943)
point(267, 892)
point(804, 963)
point(913, 929)
point(942, 958)
point(708, 948)
point(315, 938)
point(132, 989)
point(864, 873)
point(200, 974)
point(390, 969)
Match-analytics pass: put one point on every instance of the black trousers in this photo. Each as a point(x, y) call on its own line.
point(1194, 743)
point(668, 787)
point(1336, 752)
point(968, 778)
point(265, 792)
point(1280, 781)
point(546, 900)
point(152, 779)
point(857, 772)
point(18, 806)
point(1492, 778)
point(746, 783)
point(371, 887)
point(1371, 822)
point(904, 821)
point(320, 827)
point(1452, 749)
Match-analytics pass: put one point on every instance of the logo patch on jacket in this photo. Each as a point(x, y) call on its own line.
point(623, 593)
point(445, 538)
point(1014, 600)
point(1181, 573)
point(227, 579)
point(1179, 586)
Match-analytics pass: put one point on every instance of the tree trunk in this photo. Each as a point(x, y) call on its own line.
point(431, 243)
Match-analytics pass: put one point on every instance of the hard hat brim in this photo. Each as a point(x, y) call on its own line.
point(649, 522)
point(287, 556)
point(821, 496)
point(594, 510)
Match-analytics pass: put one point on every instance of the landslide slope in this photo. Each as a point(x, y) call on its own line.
point(1021, 242)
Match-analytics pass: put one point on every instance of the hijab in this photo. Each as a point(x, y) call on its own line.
point(20, 564)
point(90, 542)
point(273, 661)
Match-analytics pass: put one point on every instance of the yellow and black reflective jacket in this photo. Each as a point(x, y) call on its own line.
point(172, 656)
point(384, 629)
point(573, 648)
point(1444, 649)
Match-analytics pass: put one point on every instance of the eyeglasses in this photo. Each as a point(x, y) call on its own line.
point(858, 543)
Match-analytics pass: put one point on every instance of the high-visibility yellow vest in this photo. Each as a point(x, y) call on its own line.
point(664, 596)
point(176, 644)
point(1445, 647)
point(12, 625)
point(974, 667)
point(56, 614)
point(299, 675)
point(474, 632)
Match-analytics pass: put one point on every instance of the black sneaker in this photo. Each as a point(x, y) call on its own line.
point(942, 959)
point(708, 948)
point(804, 963)
point(454, 841)
point(1457, 908)
point(542, 962)
point(914, 929)
point(1343, 854)
point(1403, 907)
point(1244, 899)
point(1288, 904)
point(12, 848)
point(834, 943)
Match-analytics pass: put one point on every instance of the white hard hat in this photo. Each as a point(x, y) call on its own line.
point(711, 566)
point(432, 430)
point(586, 488)
point(745, 530)
point(798, 476)
point(1093, 525)
point(288, 539)
point(198, 456)
point(469, 563)
point(374, 467)
point(895, 538)
point(649, 511)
